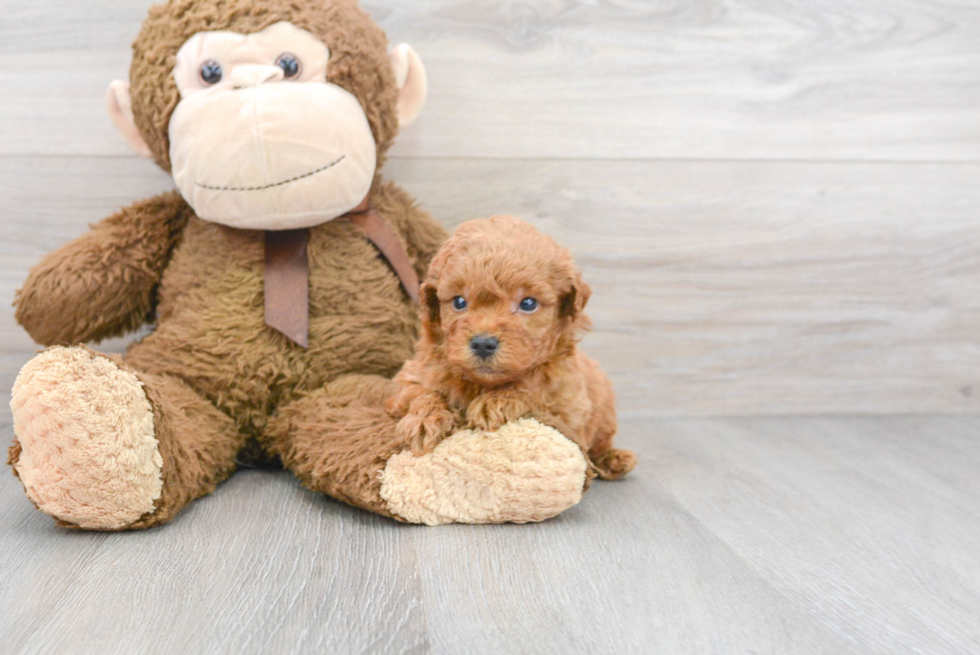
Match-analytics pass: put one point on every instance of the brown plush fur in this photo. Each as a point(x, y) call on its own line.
point(104, 283)
point(213, 371)
point(337, 439)
point(537, 369)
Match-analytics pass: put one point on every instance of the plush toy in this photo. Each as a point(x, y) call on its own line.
point(281, 278)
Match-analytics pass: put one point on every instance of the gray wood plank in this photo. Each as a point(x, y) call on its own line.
point(747, 288)
point(263, 566)
point(719, 287)
point(834, 512)
point(802, 535)
point(628, 571)
point(561, 79)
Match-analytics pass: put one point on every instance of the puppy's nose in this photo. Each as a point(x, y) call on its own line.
point(484, 346)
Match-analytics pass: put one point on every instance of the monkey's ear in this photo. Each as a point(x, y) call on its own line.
point(413, 86)
point(120, 106)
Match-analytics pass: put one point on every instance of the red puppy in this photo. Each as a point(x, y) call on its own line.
point(502, 314)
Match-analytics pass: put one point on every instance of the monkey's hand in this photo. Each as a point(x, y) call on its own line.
point(103, 283)
point(494, 409)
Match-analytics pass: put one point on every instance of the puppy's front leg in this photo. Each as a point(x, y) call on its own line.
point(493, 409)
point(428, 421)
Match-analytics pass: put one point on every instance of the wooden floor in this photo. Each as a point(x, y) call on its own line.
point(770, 535)
point(777, 205)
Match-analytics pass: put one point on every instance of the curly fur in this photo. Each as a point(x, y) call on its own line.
point(537, 370)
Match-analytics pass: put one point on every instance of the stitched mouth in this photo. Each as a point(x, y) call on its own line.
point(274, 184)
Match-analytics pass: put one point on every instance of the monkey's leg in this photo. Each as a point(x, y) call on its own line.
point(340, 441)
point(101, 446)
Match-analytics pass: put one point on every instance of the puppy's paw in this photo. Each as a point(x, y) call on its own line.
point(423, 432)
point(396, 407)
point(614, 463)
point(491, 411)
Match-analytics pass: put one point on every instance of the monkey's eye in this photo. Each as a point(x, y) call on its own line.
point(211, 72)
point(529, 305)
point(459, 303)
point(290, 66)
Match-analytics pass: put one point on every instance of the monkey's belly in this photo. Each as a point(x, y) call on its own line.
point(247, 369)
point(212, 332)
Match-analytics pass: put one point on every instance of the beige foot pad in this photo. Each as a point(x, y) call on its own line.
point(89, 455)
point(524, 472)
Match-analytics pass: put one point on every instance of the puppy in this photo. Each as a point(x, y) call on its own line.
point(502, 312)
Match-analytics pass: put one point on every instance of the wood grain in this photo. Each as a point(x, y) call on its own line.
point(834, 80)
point(745, 288)
point(833, 512)
point(801, 535)
point(233, 575)
point(720, 288)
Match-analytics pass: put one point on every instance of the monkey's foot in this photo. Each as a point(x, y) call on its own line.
point(85, 451)
point(522, 473)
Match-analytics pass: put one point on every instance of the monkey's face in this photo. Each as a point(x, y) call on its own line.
point(265, 124)
point(260, 139)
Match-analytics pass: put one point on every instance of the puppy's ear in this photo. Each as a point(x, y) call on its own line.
point(431, 310)
point(572, 303)
point(429, 298)
point(430, 303)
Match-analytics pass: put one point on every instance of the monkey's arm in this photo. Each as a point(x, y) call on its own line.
point(423, 236)
point(103, 283)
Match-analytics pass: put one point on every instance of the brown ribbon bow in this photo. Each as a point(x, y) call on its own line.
point(287, 271)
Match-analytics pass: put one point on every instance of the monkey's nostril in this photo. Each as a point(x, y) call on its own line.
point(484, 346)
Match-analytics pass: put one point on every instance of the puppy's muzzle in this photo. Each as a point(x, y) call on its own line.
point(484, 346)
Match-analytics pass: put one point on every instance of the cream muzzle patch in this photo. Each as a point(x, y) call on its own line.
point(260, 139)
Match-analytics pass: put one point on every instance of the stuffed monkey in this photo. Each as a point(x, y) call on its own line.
point(281, 277)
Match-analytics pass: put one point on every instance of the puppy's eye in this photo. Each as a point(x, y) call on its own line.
point(529, 305)
point(459, 303)
point(211, 72)
point(290, 66)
